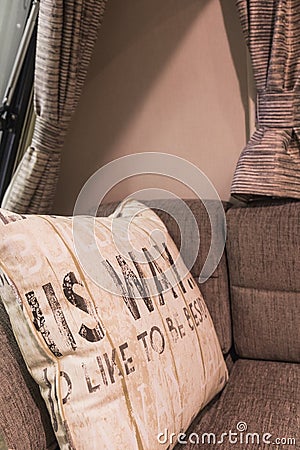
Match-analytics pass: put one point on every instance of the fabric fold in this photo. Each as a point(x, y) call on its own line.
point(67, 31)
point(269, 165)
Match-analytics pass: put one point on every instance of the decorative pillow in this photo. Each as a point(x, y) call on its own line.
point(119, 340)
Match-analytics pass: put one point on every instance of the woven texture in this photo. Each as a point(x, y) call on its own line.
point(262, 394)
point(270, 163)
point(24, 420)
point(265, 282)
point(215, 290)
point(67, 31)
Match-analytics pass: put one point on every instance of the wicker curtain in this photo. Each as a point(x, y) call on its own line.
point(270, 163)
point(67, 30)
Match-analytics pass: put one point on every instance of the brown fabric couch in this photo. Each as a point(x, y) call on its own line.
point(254, 300)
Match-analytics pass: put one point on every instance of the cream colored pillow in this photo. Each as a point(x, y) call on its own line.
point(120, 357)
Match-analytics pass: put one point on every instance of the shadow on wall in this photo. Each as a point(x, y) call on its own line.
point(125, 24)
point(132, 20)
point(138, 43)
point(235, 37)
point(145, 36)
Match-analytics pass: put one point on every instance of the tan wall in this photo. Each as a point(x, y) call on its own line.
point(167, 76)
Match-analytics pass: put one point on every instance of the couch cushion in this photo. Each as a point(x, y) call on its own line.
point(261, 397)
point(215, 290)
point(24, 420)
point(263, 251)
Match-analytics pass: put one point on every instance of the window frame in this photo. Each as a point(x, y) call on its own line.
point(18, 99)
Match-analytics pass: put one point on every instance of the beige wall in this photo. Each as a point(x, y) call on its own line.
point(167, 76)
